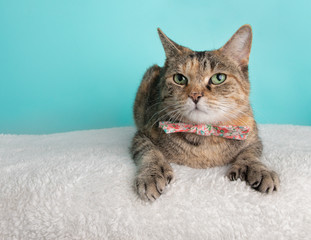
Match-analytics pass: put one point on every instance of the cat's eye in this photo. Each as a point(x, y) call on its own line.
point(218, 78)
point(180, 79)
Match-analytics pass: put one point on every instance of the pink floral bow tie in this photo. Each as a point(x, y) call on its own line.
point(229, 131)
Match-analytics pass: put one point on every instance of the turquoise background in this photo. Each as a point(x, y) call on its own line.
point(70, 64)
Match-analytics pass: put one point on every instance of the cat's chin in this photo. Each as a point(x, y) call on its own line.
point(200, 117)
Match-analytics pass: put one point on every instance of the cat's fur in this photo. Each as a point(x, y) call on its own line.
point(159, 98)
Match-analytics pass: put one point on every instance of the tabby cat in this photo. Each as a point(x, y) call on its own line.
point(205, 87)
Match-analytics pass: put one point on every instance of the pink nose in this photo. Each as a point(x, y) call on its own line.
point(195, 96)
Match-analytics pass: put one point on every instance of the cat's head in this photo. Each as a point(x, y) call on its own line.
point(209, 87)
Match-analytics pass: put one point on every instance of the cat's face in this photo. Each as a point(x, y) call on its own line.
point(209, 87)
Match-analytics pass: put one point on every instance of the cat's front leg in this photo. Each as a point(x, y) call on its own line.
point(248, 167)
point(154, 172)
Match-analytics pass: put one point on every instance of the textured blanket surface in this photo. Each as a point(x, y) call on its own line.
point(78, 185)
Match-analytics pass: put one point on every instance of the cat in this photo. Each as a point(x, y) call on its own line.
point(197, 87)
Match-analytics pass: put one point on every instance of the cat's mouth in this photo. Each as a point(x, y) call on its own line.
point(196, 109)
point(203, 114)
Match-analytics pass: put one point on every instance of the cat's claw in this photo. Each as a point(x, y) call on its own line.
point(257, 177)
point(150, 184)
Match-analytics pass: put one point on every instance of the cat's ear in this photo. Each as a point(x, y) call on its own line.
point(170, 47)
point(238, 47)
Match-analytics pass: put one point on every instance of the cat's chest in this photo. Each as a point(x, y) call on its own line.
point(200, 151)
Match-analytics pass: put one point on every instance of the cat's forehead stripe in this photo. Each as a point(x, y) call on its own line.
point(191, 66)
point(213, 63)
point(206, 60)
point(200, 56)
point(200, 63)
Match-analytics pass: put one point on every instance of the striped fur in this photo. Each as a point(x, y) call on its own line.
point(159, 98)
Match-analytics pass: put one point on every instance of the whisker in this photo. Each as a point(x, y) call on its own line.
point(166, 114)
point(156, 113)
point(153, 105)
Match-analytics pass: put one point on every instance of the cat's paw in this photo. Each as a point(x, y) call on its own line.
point(150, 182)
point(258, 177)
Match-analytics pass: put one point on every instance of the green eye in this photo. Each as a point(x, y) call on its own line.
point(218, 78)
point(180, 79)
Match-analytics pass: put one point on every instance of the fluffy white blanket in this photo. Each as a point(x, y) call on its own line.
point(78, 185)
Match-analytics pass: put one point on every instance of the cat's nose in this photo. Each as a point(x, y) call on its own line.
point(195, 96)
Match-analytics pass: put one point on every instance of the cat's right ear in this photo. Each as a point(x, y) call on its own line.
point(239, 46)
point(170, 47)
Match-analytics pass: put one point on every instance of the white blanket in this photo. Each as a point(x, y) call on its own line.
point(78, 185)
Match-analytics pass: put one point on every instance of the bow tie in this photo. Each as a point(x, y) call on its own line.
point(228, 131)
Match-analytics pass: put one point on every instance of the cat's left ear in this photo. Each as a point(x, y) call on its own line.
point(238, 47)
point(171, 48)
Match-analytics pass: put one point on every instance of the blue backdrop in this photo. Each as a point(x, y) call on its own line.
point(71, 64)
